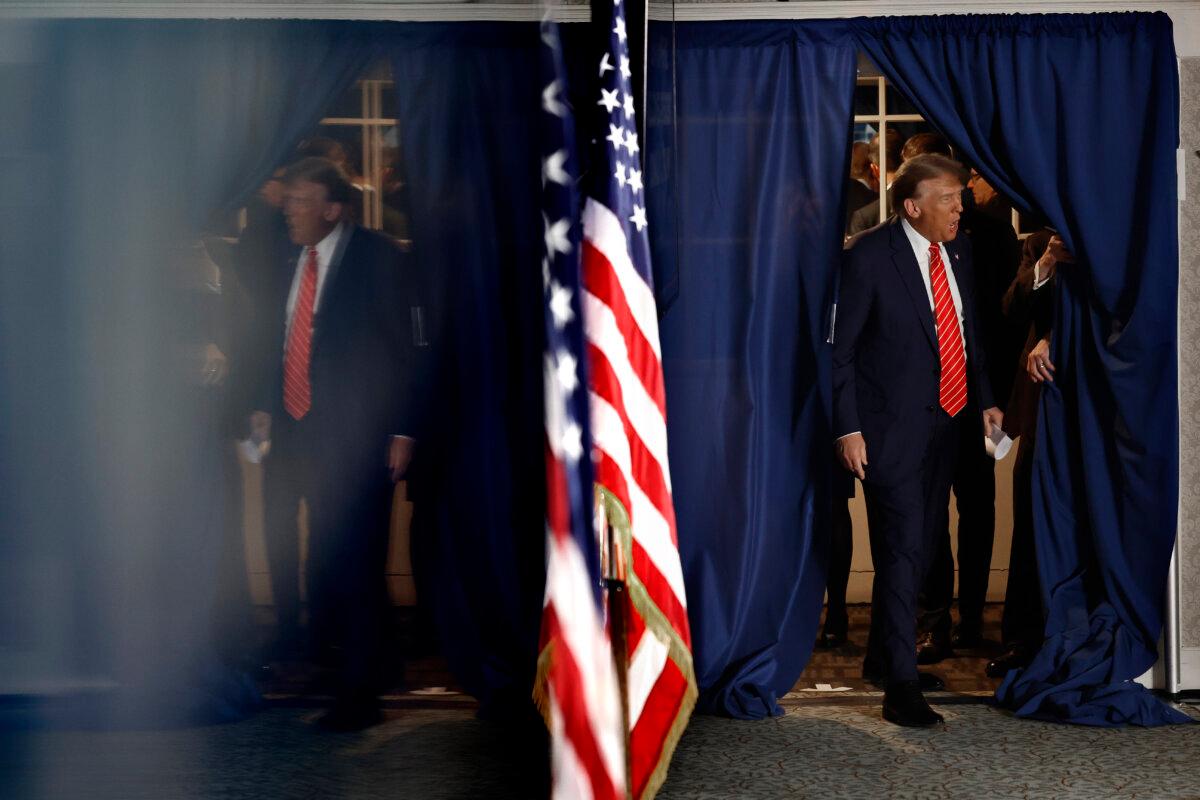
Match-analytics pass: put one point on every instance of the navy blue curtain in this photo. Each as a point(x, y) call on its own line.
point(746, 158)
point(1076, 117)
point(469, 107)
point(145, 129)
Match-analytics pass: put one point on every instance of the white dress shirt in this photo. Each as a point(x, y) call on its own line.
point(325, 250)
point(920, 246)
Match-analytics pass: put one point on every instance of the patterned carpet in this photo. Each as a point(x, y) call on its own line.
point(815, 751)
point(828, 744)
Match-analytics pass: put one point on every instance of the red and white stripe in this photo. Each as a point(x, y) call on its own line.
point(952, 386)
point(582, 695)
point(629, 436)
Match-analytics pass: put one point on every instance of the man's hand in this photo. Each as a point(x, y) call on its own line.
point(852, 452)
point(1056, 253)
point(993, 419)
point(1038, 364)
point(400, 453)
point(260, 426)
point(216, 366)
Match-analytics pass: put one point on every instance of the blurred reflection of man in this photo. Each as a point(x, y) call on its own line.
point(908, 381)
point(341, 408)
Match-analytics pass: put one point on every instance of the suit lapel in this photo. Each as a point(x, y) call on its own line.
point(910, 274)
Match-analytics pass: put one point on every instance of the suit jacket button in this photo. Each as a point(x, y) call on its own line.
point(929, 408)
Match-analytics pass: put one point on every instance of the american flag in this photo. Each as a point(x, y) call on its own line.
point(577, 687)
point(629, 430)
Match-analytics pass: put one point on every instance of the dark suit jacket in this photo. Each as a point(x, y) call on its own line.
point(864, 218)
point(857, 196)
point(367, 367)
point(995, 253)
point(1030, 314)
point(885, 358)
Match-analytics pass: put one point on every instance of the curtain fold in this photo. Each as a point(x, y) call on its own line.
point(469, 106)
point(1076, 117)
point(150, 128)
point(746, 157)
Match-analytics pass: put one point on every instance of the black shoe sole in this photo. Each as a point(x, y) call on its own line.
point(895, 719)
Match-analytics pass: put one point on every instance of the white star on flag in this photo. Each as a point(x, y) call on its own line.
point(557, 240)
point(625, 70)
point(619, 30)
point(545, 274)
point(616, 135)
point(552, 169)
point(639, 217)
point(567, 372)
point(605, 65)
point(572, 442)
point(631, 142)
point(550, 102)
point(608, 100)
point(620, 174)
point(628, 105)
point(635, 179)
point(560, 304)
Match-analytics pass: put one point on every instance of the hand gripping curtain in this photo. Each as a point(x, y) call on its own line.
point(745, 161)
point(1076, 116)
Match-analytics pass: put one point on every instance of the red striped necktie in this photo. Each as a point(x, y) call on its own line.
point(952, 389)
point(297, 390)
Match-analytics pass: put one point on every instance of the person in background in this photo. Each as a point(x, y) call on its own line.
point(1029, 306)
point(996, 253)
point(862, 185)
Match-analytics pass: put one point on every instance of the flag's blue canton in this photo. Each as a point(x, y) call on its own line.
point(561, 286)
point(624, 191)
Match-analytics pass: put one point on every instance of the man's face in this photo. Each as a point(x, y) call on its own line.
point(310, 215)
point(980, 188)
point(935, 209)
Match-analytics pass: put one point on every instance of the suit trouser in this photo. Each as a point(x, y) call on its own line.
point(841, 553)
point(975, 490)
point(1024, 621)
point(349, 515)
point(287, 478)
point(903, 514)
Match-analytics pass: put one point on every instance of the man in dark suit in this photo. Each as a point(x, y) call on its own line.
point(341, 405)
point(994, 264)
point(908, 380)
point(867, 215)
point(1029, 306)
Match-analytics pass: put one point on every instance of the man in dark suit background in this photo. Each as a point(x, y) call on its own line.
point(908, 380)
point(995, 253)
point(867, 216)
point(341, 407)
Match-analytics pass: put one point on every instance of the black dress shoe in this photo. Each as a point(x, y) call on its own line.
point(932, 649)
point(344, 717)
point(904, 705)
point(930, 682)
point(834, 632)
point(926, 681)
point(967, 637)
point(1015, 657)
point(829, 641)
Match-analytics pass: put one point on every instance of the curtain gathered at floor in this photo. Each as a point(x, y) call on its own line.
point(746, 158)
point(1076, 117)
